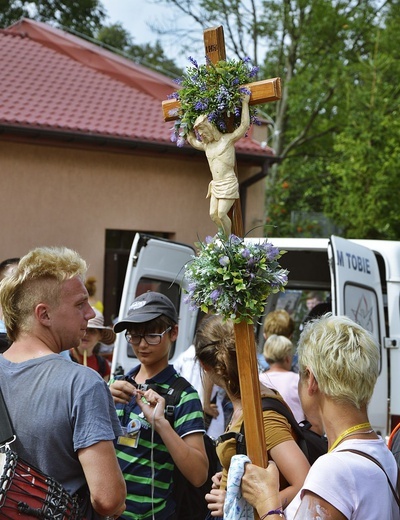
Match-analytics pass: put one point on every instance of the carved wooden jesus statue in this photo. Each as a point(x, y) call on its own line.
point(223, 190)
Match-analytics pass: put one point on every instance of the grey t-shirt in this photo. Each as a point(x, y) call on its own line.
point(57, 407)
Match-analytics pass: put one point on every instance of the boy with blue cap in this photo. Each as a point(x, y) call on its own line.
point(150, 446)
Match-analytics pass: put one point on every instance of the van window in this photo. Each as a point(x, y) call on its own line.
point(300, 304)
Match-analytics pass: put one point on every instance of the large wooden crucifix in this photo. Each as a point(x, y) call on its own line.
point(261, 92)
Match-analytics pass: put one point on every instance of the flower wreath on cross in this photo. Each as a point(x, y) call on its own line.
point(234, 278)
point(214, 90)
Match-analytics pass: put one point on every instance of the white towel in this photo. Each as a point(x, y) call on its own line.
point(235, 506)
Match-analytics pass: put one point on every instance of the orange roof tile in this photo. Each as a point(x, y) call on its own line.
point(53, 81)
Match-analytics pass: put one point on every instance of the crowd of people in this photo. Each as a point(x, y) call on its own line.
point(116, 447)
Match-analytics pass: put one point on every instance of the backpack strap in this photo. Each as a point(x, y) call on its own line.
point(371, 458)
point(392, 435)
point(102, 364)
point(238, 436)
point(268, 403)
point(172, 395)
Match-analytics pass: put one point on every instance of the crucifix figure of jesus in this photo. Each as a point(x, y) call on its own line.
point(219, 148)
point(260, 92)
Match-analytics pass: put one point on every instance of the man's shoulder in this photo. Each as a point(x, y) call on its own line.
point(79, 374)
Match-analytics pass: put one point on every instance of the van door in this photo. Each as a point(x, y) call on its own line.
point(357, 293)
point(155, 264)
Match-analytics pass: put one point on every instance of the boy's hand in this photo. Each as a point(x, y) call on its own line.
point(122, 391)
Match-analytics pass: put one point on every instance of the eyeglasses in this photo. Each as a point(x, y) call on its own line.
point(150, 339)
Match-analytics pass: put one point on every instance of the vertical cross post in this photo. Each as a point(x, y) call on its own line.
point(244, 334)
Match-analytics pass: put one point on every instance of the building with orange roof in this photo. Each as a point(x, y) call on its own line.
point(87, 160)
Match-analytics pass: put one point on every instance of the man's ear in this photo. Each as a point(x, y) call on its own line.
point(42, 314)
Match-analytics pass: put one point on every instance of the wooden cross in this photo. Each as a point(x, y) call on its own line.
point(261, 92)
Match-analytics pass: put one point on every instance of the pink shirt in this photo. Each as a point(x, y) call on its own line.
point(286, 382)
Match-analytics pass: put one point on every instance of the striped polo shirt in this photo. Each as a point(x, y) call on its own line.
point(148, 467)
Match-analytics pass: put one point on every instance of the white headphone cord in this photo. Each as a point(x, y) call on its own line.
point(152, 460)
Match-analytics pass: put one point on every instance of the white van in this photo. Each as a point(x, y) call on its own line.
point(358, 278)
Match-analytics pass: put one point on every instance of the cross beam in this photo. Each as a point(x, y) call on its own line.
point(262, 91)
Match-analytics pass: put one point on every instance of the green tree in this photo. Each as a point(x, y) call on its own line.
point(366, 175)
point(85, 16)
point(12, 11)
point(316, 47)
point(153, 56)
point(148, 55)
point(115, 36)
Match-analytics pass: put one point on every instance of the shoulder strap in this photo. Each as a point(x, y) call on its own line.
point(392, 435)
point(368, 456)
point(178, 385)
point(239, 436)
point(102, 364)
point(7, 434)
point(172, 395)
point(270, 403)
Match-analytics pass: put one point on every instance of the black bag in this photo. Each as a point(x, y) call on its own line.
point(310, 443)
point(190, 501)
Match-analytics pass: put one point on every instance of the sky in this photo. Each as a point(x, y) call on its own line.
point(135, 15)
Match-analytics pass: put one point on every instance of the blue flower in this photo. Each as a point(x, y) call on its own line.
point(215, 295)
point(246, 253)
point(224, 260)
point(244, 90)
point(272, 252)
point(281, 277)
point(193, 62)
point(192, 287)
point(234, 240)
point(200, 105)
point(253, 72)
point(222, 126)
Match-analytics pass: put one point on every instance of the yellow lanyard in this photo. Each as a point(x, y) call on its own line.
point(351, 430)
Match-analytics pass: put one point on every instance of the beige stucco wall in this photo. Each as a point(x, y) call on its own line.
point(64, 196)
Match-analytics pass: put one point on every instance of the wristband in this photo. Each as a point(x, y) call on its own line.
point(278, 512)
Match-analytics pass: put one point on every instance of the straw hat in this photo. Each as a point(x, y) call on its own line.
point(107, 334)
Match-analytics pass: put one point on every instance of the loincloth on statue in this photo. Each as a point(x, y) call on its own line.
point(227, 188)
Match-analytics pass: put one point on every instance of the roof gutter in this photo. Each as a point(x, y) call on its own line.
point(66, 138)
